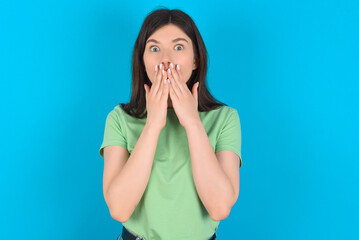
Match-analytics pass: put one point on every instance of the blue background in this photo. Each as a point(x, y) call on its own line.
point(290, 68)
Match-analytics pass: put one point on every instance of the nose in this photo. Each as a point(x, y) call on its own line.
point(166, 60)
point(166, 64)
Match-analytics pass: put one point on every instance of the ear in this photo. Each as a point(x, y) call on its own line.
point(195, 64)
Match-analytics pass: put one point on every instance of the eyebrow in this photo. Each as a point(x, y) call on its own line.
point(174, 40)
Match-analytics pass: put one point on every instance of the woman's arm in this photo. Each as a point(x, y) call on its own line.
point(127, 188)
point(213, 185)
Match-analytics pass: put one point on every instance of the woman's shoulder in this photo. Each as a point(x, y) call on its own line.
point(115, 113)
point(223, 110)
point(219, 115)
point(118, 109)
point(228, 109)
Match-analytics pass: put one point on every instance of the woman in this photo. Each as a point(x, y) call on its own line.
point(172, 154)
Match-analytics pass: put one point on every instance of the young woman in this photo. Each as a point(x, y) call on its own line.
point(172, 154)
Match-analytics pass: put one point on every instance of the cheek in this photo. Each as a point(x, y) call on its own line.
point(186, 75)
point(186, 70)
point(149, 69)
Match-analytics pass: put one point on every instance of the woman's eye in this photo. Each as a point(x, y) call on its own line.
point(153, 48)
point(180, 46)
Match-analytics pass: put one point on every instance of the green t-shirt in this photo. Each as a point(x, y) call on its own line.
point(170, 207)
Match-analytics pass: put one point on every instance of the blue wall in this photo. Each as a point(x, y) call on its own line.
point(290, 68)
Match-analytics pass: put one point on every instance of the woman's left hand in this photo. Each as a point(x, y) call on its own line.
point(184, 102)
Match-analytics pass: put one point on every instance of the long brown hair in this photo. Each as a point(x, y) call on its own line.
point(155, 20)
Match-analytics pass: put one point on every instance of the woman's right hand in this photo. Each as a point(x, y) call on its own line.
point(156, 99)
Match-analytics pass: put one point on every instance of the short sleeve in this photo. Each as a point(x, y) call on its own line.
point(230, 135)
point(113, 132)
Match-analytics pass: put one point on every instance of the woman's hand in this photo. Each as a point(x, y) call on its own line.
point(156, 99)
point(185, 102)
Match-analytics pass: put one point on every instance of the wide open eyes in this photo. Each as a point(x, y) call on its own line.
point(156, 49)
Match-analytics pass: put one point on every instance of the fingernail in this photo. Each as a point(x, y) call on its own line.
point(161, 66)
point(169, 70)
point(172, 66)
point(156, 67)
point(178, 67)
point(163, 72)
point(164, 81)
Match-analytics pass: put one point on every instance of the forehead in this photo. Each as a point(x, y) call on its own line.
point(169, 32)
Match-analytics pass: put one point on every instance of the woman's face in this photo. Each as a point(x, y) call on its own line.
point(169, 44)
